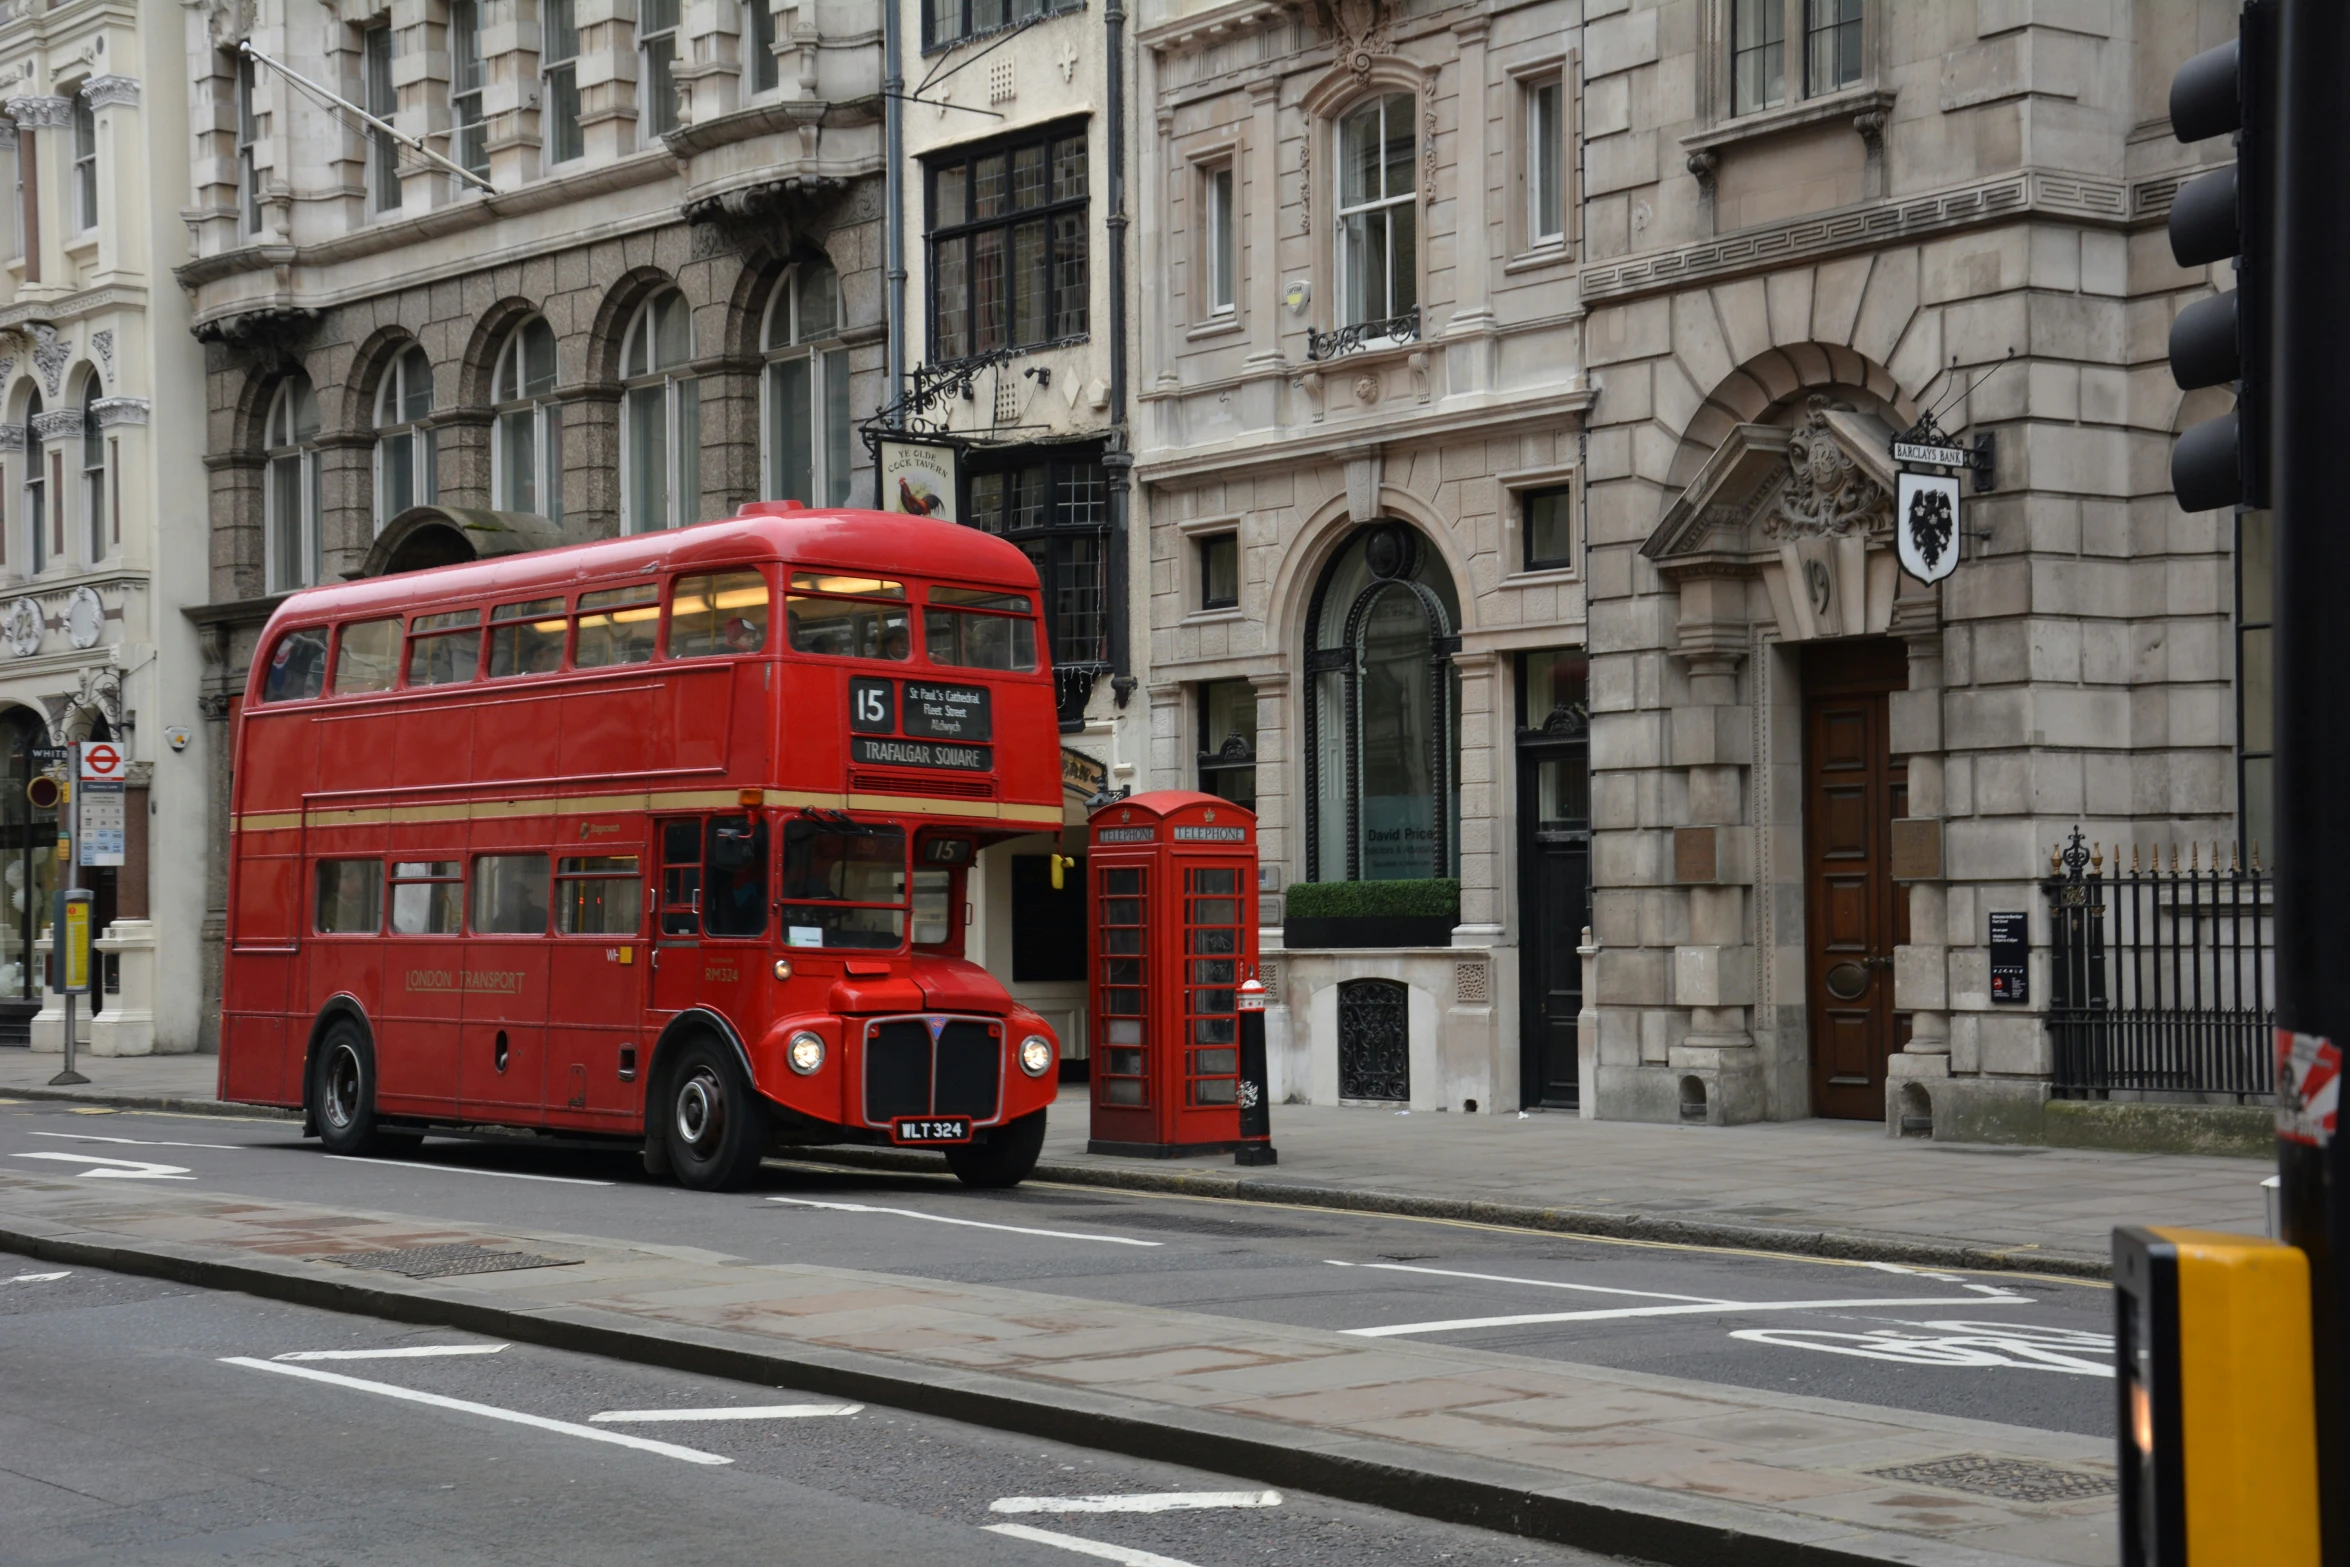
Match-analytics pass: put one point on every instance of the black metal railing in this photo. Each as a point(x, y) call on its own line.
point(2162, 980)
point(1404, 328)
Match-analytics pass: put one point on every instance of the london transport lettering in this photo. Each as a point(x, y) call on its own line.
point(765, 741)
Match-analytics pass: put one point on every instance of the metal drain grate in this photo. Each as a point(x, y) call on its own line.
point(2009, 1479)
point(448, 1262)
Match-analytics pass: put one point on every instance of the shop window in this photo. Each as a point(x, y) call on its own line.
point(1049, 927)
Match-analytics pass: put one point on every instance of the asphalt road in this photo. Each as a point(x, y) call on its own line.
point(2023, 1350)
point(149, 1423)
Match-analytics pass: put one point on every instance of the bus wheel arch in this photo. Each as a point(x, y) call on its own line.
point(688, 1028)
point(339, 1087)
point(337, 1008)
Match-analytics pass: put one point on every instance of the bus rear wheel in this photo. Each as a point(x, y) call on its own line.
point(717, 1127)
point(342, 1094)
point(1005, 1159)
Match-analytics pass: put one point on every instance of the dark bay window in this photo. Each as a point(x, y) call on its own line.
point(1228, 741)
point(1056, 510)
point(949, 21)
point(1008, 246)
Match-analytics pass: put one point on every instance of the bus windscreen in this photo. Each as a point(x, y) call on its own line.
point(844, 886)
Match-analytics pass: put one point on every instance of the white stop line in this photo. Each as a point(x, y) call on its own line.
point(2072, 1351)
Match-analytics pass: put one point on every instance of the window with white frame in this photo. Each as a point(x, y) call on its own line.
point(406, 459)
point(290, 488)
point(1546, 160)
point(528, 456)
point(808, 428)
point(1828, 57)
point(656, 80)
point(759, 40)
point(1378, 242)
point(36, 487)
point(248, 140)
point(94, 496)
point(470, 138)
point(1219, 245)
point(85, 165)
point(661, 450)
point(380, 100)
point(559, 70)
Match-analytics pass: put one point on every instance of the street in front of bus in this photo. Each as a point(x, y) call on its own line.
point(1765, 1394)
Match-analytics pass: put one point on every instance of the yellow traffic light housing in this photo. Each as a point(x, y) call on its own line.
point(1061, 865)
point(2218, 1415)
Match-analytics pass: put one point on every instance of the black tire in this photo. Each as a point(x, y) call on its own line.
point(342, 1094)
point(716, 1126)
point(1005, 1159)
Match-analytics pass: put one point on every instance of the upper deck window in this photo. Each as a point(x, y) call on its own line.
point(843, 886)
point(723, 613)
point(444, 648)
point(617, 626)
point(969, 639)
point(843, 627)
point(297, 669)
point(527, 638)
point(368, 658)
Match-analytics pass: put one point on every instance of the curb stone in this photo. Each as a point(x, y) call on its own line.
point(1609, 1518)
point(164, 1102)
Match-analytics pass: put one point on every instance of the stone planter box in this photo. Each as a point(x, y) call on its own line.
point(1368, 930)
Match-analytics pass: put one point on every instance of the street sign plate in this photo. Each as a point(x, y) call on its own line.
point(1940, 456)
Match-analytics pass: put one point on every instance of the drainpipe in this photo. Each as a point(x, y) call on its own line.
point(1118, 459)
point(893, 185)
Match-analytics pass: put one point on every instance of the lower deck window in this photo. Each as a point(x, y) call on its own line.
point(428, 897)
point(843, 885)
point(596, 895)
point(510, 895)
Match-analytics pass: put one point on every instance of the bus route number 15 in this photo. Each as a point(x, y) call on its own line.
point(873, 706)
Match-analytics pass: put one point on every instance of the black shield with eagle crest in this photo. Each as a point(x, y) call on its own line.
point(1926, 535)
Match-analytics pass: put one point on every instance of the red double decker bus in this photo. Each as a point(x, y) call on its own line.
point(663, 838)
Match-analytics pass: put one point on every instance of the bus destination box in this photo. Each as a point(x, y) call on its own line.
point(1172, 902)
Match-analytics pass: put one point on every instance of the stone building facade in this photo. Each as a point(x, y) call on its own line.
point(669, 301)
point(1632, 489)
point(98, 549)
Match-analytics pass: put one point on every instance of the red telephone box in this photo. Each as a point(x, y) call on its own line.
point(1174, 908)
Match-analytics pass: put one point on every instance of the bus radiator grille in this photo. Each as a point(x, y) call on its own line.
point(923, 783)
point(968, 1059)
point(897, 1071)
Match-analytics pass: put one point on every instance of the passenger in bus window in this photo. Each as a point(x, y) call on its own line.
point(735, 903)
point(297, 668)
point(369, 656)
point(971, 641)
point(510, 895)
point(617, 626)
point(718, 614)
point(527, 638)
point(443, 648)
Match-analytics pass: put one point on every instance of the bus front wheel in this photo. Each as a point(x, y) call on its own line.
point(717, 1128)
point(1005, 1159)
point(342, 1094)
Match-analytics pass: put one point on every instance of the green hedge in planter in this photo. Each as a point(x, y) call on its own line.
point(1425, 898)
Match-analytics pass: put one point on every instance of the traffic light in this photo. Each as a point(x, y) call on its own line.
point(2224, 461)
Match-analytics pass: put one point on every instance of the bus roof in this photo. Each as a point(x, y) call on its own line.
point(880, 543)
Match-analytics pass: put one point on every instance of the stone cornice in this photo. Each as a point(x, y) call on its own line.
point(2072, 198)
point(38, 112)
point(58, 424)
point(104, 92)
point(116, 411)
point(72, 307)
point(1287, 447)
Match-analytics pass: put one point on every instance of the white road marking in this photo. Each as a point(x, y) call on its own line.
point(1548, 1284)
point(1733, 1307)
point(743, 1412)
point(403, 1352)
point(1096, 1548)
point(489, 1411)
point(118, 1169)
point(1148, 1502)
point(976, 1224)
point(467, 1169)
point(38, 1278)
point(2025, 1346)
point(142, 1142)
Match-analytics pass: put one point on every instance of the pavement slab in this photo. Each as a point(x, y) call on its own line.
point(1611, 1460)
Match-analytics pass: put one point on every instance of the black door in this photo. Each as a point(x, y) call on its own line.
point(1554, 896)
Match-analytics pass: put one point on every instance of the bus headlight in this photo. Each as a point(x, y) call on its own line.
point(1036, 1055)
point(806, 1052)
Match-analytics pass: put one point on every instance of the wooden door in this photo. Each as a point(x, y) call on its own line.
point(1554, 897)
point(1855, 915)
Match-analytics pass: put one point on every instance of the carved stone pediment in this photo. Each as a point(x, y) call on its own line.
point(1805, 510)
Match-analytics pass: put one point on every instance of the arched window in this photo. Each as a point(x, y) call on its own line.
point(661, 478)
point(1378, 259)
point(37, 499)
point(290, 489)
point(807, 389)
point(95, 518)
point(406, 465)
point(528, 457)
point(1382, 712)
